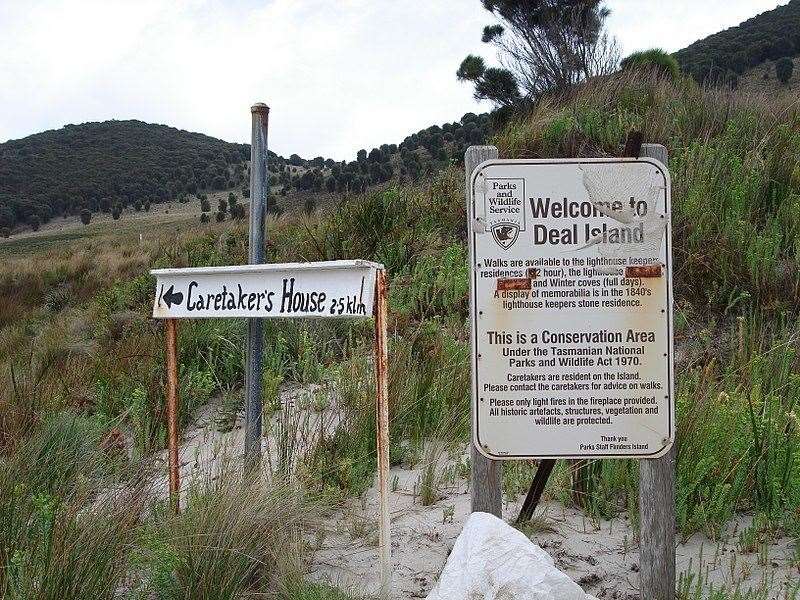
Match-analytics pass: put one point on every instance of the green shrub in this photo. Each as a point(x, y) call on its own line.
point(656, 60)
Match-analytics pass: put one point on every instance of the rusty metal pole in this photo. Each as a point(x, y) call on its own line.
point(382, 427)
point(171, 336)
point(259, 187)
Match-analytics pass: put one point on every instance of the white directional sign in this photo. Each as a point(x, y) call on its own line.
point(344, 288)
point(571, 300)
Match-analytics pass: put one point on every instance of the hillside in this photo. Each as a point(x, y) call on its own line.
point(728, 54)
point(763, 79)
point(97, 166)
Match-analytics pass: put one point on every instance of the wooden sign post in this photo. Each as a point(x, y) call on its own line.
point(334, 289)
point(571, 312)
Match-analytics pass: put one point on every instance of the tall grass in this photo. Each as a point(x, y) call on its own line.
point(231, 541)
point(54, 546)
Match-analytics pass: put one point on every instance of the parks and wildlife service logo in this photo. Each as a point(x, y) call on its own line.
point(505, 210)
point(505, 234)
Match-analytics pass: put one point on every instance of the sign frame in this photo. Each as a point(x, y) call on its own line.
point(477, 225)
point(374, 294)
point(256, 274)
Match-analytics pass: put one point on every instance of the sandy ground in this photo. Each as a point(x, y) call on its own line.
point(602, 556)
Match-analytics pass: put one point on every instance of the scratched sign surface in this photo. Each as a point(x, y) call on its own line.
point(571, 306)
point(318, 289)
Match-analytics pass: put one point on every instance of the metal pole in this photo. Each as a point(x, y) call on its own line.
point(657, 501)
point(485, 485)
point(382, 422)
point(258, 205)
point(171, 337)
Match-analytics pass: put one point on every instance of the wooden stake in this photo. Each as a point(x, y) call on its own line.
point(536, 490)
point(171, 336)
point(485, 486)
point(657, 502)
point(382, 426)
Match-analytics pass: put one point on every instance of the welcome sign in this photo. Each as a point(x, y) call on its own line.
point(571, 304)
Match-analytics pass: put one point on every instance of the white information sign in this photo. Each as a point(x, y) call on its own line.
point(344, 288)
point(571, 307)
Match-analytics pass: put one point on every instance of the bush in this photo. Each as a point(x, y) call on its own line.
point(237, 212)
point(36, 222)
point(220, 216)
point(204, 218)
point(656, 60)
point(784, 67)
point(5, 232)
point(230, 542)
point(86, 216)
point(116, 212)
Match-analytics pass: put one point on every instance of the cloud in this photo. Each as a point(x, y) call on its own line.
point(338, 76)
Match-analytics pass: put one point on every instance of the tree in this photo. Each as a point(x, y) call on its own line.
point(220, 216)
point(147, 206)
point(309, 205)
point(7, 217)
point(237, 211)
point(543, 46)
point(86, 216)
point(205, 205)
point(361, 155)
point(204, 218)
point(375, 155)
point(116, 212)
point(36, 222)
point(5, 232)
point(784, 68)
point(245, 192)
point(223, 206)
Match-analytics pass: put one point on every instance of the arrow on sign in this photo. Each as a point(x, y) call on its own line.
point(172, 297)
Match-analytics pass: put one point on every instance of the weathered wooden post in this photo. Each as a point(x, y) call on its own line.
point(485, 484)
point(255, 342)
point(171, 340)
point(657, 501)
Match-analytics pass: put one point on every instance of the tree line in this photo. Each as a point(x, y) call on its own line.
point(721, 58)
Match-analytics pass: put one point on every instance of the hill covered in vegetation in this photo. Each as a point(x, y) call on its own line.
point(97, 165)
point(100, 166)
point(724, 56)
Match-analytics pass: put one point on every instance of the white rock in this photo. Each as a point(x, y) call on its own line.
point(493, 561)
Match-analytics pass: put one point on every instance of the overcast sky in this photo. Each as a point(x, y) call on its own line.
point(339, 75)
